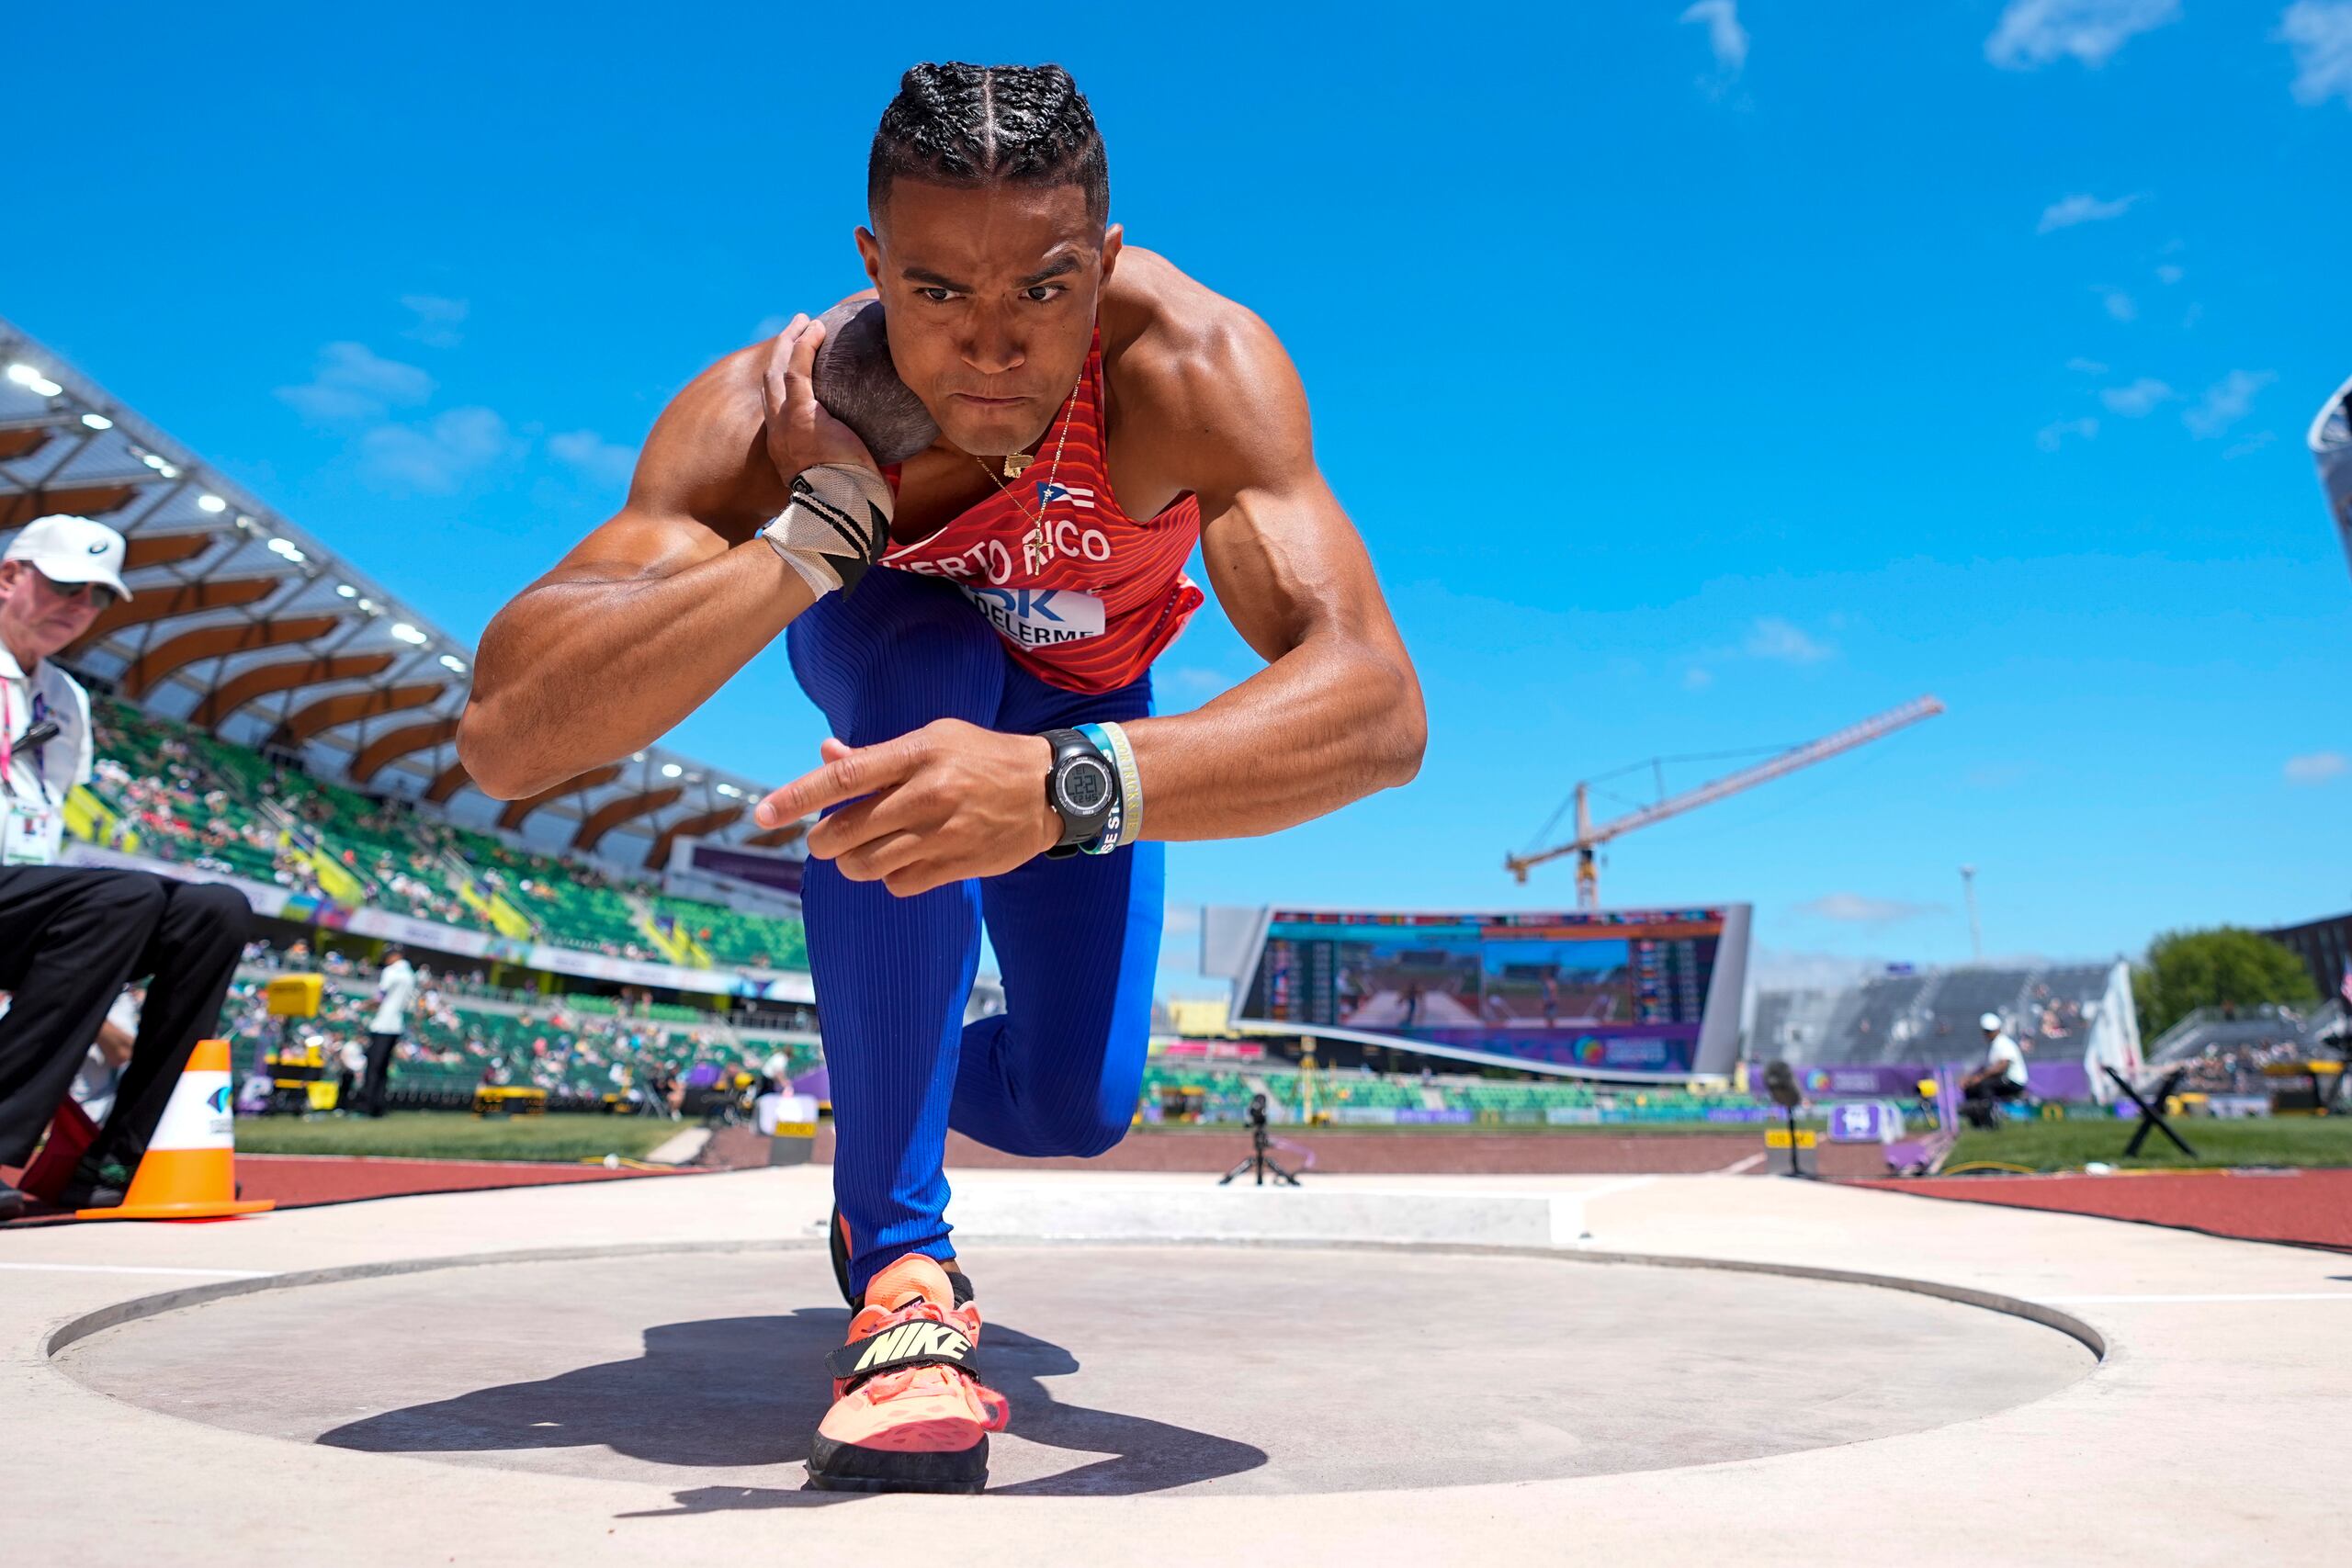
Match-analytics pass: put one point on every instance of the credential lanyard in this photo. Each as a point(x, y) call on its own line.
point(8, 745)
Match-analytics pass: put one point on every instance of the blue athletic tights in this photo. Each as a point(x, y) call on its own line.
point(1078, 939)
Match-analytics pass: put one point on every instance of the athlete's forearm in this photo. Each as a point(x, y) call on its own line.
point(1329, 722)
point(576, 674)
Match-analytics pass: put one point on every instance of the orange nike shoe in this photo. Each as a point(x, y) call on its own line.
point(910, 1413)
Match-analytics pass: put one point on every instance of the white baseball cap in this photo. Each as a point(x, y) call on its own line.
point(1991, 1020)
point(66, 548)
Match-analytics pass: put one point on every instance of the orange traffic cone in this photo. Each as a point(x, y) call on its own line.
point(190, 1169)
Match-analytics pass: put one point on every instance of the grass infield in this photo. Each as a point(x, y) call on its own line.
point(454, 1134)
point(2077, 1141)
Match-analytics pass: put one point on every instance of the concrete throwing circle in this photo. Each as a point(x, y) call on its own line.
point(1130, 1369)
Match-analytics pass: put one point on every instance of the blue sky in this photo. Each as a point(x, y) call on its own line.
point(1701, 377)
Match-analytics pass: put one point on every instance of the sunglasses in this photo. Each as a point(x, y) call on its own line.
point(100, 593)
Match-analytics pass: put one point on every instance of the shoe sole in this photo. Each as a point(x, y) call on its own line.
point(850, 1467)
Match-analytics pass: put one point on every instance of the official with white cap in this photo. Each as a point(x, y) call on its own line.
point(71, 937)
point(2002, 1078)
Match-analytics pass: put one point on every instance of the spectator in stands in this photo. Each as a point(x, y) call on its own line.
point(395, 989)
point(71, 937)
point(2001, 1078)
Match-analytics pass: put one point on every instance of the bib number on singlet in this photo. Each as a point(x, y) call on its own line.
point(1039, 617)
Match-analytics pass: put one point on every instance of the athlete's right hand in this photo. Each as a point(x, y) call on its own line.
point(801, 435)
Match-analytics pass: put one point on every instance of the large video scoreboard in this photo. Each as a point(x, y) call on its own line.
point(1608, 990)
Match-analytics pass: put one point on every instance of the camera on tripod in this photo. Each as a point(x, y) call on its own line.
point(1261, 1141)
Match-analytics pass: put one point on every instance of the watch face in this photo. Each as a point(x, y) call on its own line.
point(1084, 785)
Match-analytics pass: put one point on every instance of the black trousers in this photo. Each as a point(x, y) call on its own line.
point(71, 938)
point(379, 1072)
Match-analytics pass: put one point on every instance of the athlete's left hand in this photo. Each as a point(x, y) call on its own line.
point(939, 804)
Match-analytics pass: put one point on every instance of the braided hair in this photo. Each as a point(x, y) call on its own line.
point(971, 125)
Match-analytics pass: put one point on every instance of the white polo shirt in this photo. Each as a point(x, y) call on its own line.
point(395, 989)
point(36, 781)
point(2006, 1055)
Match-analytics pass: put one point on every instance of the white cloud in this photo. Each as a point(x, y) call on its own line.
point(2250, 445)
point(2120, 304)
point(1860, 908)
point(1725, 36)
point(1786, 643)
point(2137, 399)
point(2320, 32)
point(2087, 366)
point(2169, 275)
point(769, 326)
point(1697, 679)
point(438, 320)
point(352, 382)
point(2085, 208)
point(594, 456)
point(2317, 768)
point(1195, 678)
point(2033, 33)
point(441, 454)
point(2226, 402)
point(2050, 437)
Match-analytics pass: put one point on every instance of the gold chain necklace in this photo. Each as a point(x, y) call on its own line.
point(1018, 463)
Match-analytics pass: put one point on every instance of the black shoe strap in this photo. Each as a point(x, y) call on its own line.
point(918, 1342)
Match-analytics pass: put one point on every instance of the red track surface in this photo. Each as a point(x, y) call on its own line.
point(2311, 1207)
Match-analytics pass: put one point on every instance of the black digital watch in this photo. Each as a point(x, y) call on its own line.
point(1083, 787)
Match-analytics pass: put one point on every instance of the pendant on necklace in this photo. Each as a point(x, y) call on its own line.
point(1015, 462)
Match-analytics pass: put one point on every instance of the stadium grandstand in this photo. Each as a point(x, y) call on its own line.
point(2069, 1016)
point(585, 1052)
point(271, 716)
point(2226, 1049)
point(1217, 1090)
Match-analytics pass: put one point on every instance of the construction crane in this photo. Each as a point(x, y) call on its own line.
point(1590, 837)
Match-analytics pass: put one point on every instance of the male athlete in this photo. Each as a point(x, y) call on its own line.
point(978, 625)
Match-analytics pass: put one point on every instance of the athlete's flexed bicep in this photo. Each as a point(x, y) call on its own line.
point(1337, 713)
point(653, 611)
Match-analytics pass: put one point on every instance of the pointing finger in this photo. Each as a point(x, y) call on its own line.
point(861, 771)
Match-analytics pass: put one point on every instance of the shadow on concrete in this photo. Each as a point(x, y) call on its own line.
point(747, 1392)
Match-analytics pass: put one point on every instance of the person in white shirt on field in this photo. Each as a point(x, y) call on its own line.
point(2002, 1078)
point(395, 990)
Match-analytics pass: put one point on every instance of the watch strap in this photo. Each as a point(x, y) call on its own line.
point(1079, 828)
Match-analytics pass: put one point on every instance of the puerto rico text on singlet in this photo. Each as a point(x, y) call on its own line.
point(1084, 595)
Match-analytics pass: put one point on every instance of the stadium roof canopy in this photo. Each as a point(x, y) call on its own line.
point(244, 624)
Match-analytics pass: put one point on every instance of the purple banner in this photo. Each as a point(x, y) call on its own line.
point(2047, 1080)
point(2059, 1080)
point(745, 866)
point(1848, 1082)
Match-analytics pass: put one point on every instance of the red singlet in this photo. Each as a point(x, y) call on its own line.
point(1087, 600)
